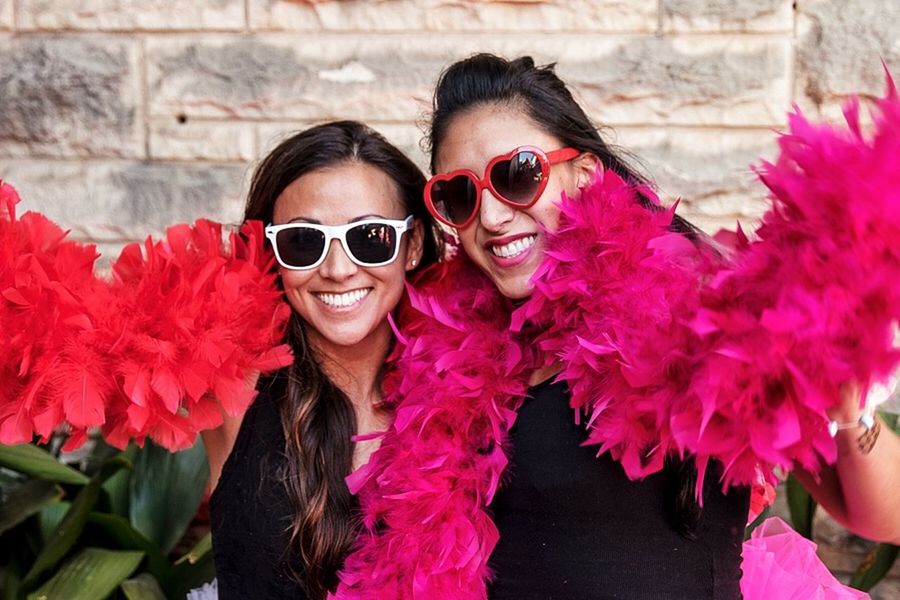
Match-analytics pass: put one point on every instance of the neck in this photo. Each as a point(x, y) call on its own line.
point(356, 368)
point(544, 373)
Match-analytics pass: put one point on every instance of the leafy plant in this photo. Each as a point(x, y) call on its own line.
point(109, 528)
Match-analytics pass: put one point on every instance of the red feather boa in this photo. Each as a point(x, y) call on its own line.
point(665, 348)
point(41, 275)
point(162, 350)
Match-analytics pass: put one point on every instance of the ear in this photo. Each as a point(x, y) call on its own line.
point(415, 245)
point(586, 166)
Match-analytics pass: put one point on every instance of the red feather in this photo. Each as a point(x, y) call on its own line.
point(183, 321)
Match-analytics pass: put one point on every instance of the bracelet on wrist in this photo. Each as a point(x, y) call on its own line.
point(870, 425)
point(866, 420)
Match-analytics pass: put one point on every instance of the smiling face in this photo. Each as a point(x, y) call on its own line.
point(343, 303)
point(507, 243)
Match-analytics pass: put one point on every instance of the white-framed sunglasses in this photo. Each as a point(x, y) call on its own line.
point(368, 243)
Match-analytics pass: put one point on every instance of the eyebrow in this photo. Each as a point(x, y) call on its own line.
point(354, 220)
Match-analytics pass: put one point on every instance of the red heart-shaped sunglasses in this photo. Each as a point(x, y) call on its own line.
point(516, 178)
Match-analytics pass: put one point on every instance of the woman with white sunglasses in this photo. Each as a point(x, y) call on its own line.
point(347, 224)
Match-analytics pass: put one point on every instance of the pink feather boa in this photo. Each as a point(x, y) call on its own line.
point(666, 348)
point(461, 379)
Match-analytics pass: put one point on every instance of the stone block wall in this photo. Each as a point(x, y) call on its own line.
point(118, 117)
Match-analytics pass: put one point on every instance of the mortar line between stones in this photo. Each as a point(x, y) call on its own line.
point(246, 16)
point(312, 120)
point(119, 161)
point(288, 34)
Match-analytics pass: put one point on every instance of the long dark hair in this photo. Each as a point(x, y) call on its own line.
point(486, 79)
point(317, 417)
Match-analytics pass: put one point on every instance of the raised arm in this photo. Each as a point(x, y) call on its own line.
point(861, 491)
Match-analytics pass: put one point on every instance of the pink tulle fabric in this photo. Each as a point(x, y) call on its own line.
point(668, 347)
point(162, 350)
point(780, 564)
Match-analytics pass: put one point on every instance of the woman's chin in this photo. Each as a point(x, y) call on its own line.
point(515, 287)
point(514, 282)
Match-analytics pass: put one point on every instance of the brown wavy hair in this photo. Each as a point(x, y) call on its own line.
point(317, 416)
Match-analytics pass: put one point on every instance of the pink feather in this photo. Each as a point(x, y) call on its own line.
point(668, 347)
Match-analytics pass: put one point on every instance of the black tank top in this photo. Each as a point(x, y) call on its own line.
point(574, 527)
point(250, 510)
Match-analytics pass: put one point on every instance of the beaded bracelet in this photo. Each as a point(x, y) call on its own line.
point(871, 428)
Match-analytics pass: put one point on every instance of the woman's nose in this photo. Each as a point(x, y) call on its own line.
point(337, 265)
point(493, 213)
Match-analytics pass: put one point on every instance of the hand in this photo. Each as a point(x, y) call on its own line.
point(848, 409)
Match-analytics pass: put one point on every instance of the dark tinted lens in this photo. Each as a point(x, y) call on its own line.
point(300, 246)
point(372, 243)
point(518, 178)
point(454, 199)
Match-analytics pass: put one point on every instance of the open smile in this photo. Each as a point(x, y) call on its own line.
point(344, 299)
point(512, 248)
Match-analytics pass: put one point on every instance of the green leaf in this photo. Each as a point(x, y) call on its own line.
point(10, 580)
point(199, 550)
point(802, 507)
point(194, 568)
point(92, 574)
point(66, 533)
point(143, 587)
point(874, 567)
point(9, 478)
point(892, 420)
point(166, 490)
point(34, 461)
point(118, 531)
point(50, 516)
point(757, 522)
point(192, 575)
point(116, 488)
point(26, 500)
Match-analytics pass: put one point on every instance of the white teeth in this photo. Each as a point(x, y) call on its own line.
point(345, 299)
point(514, 248)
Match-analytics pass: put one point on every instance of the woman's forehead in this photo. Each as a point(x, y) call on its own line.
point(483, 132)
point(339, 194)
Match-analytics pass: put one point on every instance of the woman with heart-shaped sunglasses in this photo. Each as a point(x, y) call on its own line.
point(489, 486)
point(347, 223)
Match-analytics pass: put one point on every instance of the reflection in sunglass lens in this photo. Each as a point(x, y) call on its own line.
point(300, 246)
point(518, 178)
point(454, 199)
point(372, 243)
